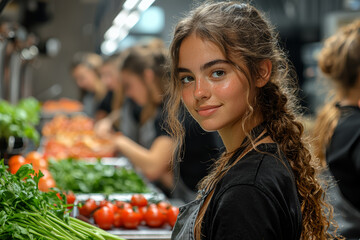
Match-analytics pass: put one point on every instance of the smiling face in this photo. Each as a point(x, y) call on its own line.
point(213, 91)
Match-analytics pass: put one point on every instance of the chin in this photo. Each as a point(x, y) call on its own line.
point(209, 126)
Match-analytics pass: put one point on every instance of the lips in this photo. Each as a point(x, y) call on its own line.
point(206, 111)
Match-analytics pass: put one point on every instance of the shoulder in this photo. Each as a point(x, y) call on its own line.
point(259, 192)
point(265, 168)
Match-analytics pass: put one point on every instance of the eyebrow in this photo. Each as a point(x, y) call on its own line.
point(206, 65)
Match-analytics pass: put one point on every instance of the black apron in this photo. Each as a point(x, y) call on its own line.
point(185, 224)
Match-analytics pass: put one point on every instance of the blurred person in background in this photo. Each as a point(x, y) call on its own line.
point(142, 72)
point(337, 128)
point(110, 76)
point(85, 69)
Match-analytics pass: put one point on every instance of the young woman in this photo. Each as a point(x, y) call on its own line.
point(337, 129)
point(142, 76)
point(110, 76)
point(85, 69)
point(228, 70)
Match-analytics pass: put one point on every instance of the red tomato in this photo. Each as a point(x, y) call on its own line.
point(142, 211)
point(103, 203)
point(45, 183)
point(118, 218)
point(40, 163)
point(163, 206)
point(70, 199)
point(154, 217)
point(88, 207)
point(104, 217)
point(14, 168)
point(112, 206)
point(131, 218)
point(16, 160)
point(122, 204)
point(172, 214)
point(33, 156)
point(138, 200)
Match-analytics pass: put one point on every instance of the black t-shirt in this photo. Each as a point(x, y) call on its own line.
point(256, 199)
point(343, 154)
point(106, 102)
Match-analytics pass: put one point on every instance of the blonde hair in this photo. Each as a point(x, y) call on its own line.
point(339, 60)
point(244, 35)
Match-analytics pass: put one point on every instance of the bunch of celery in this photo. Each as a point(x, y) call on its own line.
point(27, 213)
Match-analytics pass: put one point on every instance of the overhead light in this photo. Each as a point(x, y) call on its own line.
point(145, 4)
point(132, 19)
point(108, 47)
point(130, 4)
point(121, 18)
point(112, 33)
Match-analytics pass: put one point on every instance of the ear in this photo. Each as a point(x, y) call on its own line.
point(265, 68)
point(149, 76)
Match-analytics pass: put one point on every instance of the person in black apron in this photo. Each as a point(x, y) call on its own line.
point(228, 70)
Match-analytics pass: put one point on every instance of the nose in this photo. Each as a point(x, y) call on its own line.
point(201, 90)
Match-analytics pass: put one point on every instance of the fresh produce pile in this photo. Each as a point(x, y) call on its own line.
point(74, 137)
point(39, 163)
point(120, 214)
point(82, 177)
point(63, 105)
point(20, 120)
point(27, 213)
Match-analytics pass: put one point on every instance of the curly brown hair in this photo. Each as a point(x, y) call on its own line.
point(339, 60)
point(243, 34)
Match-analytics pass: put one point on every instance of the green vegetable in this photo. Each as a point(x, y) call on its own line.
point(81, 177)
point(20, 120)
point(27, 213)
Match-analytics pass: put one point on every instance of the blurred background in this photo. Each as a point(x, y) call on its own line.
point(38, 38)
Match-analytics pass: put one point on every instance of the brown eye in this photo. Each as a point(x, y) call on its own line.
point(217, 74)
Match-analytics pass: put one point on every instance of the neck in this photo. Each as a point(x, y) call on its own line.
point(352, 96)
point(232, 136)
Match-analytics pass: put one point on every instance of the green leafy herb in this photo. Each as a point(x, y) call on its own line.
point(27, 213)
point(20, 120)
point(81, 177)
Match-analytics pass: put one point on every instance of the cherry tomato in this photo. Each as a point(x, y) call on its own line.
point(138, 200)
point(154, 217)
point(118, 219)
point(46, 183)
point(70, 199)
point(16, 160)
point(131, 218)
point(14, 168)
point(88, 207)
point(142, 211)
point(40, 163)
point(172, 214)
point(103, 203)
point(163, 206)
point(33, 156)
point(122, 204)
point(110, 205)
point(104, 217)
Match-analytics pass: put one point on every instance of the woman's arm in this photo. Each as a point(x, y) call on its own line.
point(153, 162)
